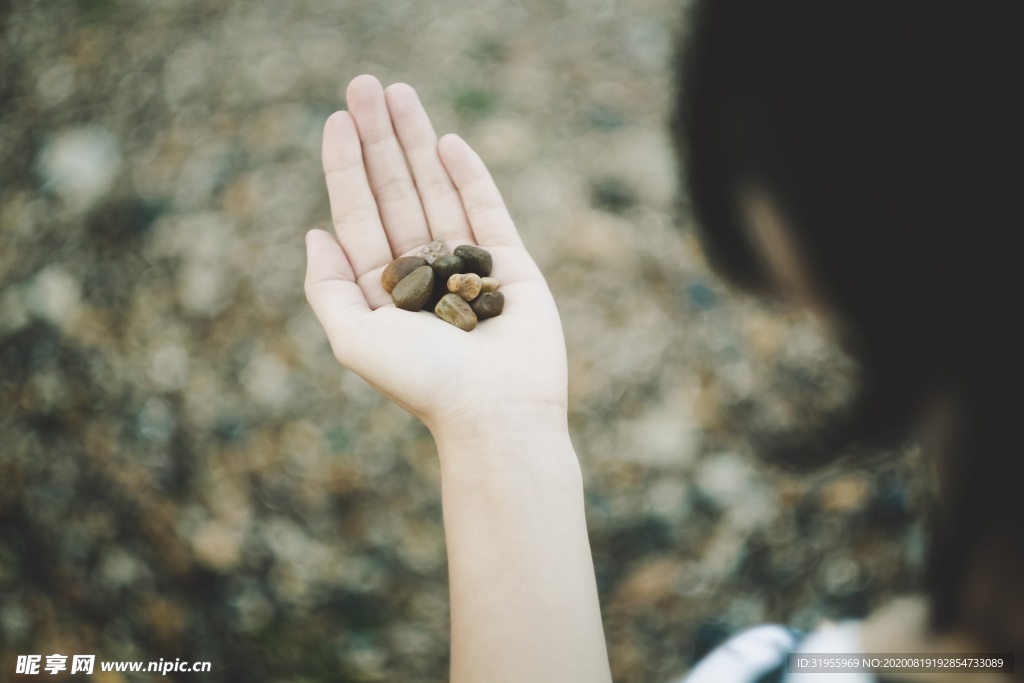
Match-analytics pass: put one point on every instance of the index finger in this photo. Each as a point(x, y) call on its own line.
point(353, 207)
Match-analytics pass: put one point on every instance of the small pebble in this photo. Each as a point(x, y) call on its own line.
point(488, 305)
point(398, 269)
point(477, 260)
point(466, 285)
point(412, 293)
point(456, 286)
point(453, 309)
point(444, 267)
point(432, 251)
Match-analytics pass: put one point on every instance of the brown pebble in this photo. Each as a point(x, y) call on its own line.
point(453, 309)
point(413, 291)
point(466, 285)
point(477, 260)
point(488, 305)
point(489, 284)
point(432, 251)
point(398, 269)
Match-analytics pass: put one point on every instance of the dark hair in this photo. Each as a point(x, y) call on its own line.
point(886, 132)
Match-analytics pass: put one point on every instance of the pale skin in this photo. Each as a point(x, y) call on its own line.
point(523, 595)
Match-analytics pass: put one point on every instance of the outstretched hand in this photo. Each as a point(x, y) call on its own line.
point(394, 187)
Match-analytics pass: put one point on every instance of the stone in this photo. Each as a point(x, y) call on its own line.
point(489, 284)
point(431, 252)
point(412, 293)
point(395, 271)
point(81, 165)
point(488, 305)
point(444, 267)
point(477, 260)
point(466, 285)
point(454, 310)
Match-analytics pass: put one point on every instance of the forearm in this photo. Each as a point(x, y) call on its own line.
point(523, 593)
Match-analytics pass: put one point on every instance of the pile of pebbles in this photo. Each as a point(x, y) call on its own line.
point(456, 286)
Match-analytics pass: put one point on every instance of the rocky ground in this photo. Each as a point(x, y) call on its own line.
point(185, 471)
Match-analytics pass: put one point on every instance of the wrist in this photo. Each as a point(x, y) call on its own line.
point(514, 438)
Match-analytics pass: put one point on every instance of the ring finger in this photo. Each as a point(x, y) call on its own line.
point(445, 213)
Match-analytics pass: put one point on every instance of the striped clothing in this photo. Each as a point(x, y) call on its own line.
point(758, 655)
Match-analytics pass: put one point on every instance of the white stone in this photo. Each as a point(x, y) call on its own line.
point(663, 439)
point(54, 295)
point(725, 477)
point(118, 568)
point(156, 420)
point(201, 288)
point(80, 165)
point(169, 367)
point(56, 83)
point(733, 484)
point(267, 380)
point(668, 498)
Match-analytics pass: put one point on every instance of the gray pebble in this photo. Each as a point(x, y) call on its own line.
point(446, 266)
point(432, 251)
point(488, 305)
point(477, 260)
point(489, 284)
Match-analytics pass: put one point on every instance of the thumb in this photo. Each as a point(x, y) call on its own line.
point(332, 292)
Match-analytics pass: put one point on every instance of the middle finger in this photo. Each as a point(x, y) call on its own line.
point(397, 200)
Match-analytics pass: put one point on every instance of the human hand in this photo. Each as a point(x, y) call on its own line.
point(394, 187)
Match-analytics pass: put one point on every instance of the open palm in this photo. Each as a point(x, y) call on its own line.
point(394, 187)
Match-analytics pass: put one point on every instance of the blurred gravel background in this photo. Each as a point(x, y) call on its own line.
point(185, 471)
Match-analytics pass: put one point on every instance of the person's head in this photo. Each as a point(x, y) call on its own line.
point(874, 144)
